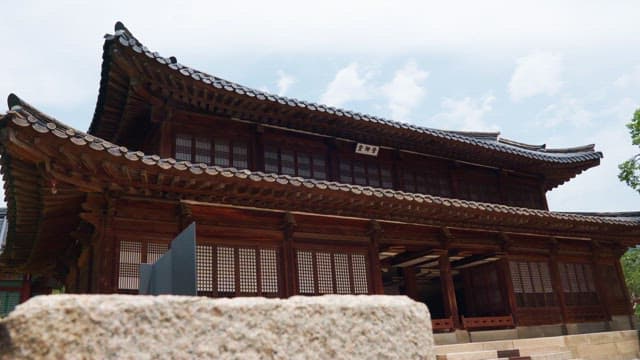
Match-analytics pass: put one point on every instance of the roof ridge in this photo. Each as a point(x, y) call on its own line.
point(127, 39)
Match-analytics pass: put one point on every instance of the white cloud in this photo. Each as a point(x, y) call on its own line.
point(599, 189)
point(351, 83)
point(569, 111)
point(284, 82)
point(405, 91)
point(629, 79)
point(536, 74)
point(466, 114)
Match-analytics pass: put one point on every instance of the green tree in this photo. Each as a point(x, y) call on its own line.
point(631, 268)
point(630, 169)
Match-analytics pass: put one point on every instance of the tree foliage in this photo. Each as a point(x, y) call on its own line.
point(630, 169)
point(631, 267)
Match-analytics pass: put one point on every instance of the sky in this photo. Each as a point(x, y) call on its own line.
point(561, 73)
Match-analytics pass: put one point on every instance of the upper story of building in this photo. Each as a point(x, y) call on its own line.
point(156, 105)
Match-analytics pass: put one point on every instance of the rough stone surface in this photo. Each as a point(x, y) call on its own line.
point(148, 327)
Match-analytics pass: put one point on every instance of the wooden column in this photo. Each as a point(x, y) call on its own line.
point(448, 290)
point(601, 288)
point(410, 286)
point(288, 255)
point(507, 284)
point(557, 283)
point(185, 218)
point(105, 252)
point(375, 233)
point(25, 291)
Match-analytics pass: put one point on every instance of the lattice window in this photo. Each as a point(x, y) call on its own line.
point(537, 279)
point(578, 284)
point(203, 150)
point(325, 272)
point(345, 172)
point(222, 154)
point(129, 265)
point(515, 277)
point(183, 147)
point(8, 301)
point(343, 281)
point(319, 167)
point(427, 182)
point(294, 163)
point(366, 173)
point(218, 151)
point(226, 270)
point(360, 277)
point(248, 271)
point(306, 281)
point(240, 156)
point(287, 159)
point(229, 271)
point(304, 165)
point(269, 271)
point(373, 177)
point(532, 283)
point(155, 251)
point(204, 267)
point(359, 173)
point(271, 160)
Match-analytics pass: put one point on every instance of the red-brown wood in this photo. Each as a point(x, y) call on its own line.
point(448, 291)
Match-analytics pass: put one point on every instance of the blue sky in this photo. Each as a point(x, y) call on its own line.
point(560, 73)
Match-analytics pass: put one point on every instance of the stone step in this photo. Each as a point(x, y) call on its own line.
point(469, 355)
point(543, 350)
point(562, 355)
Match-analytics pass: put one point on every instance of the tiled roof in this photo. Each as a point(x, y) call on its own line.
point(490, 141)
point(23, 115)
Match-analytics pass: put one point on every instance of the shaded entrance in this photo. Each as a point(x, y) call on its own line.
point(463, 290)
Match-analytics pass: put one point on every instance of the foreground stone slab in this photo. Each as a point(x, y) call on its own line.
point(145, 327)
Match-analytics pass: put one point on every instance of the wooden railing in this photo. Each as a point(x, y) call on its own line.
point(442, 325)
point(487, 322)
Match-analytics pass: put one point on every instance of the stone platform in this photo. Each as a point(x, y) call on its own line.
point(173, 327)
point(610, 345)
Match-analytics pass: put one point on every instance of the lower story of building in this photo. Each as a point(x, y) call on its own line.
point(470, 279)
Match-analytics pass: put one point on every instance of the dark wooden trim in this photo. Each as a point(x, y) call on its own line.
point(557, 285)
point(288, 255)
point(375, 272)
point(410, 285)
point(448, 291)
point(507, 285)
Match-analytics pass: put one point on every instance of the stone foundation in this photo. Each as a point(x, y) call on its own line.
point(127, 327)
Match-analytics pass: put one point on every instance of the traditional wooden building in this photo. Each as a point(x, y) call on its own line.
point(292, 197)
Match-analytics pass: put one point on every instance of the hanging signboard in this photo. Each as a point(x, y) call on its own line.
point(365, 149)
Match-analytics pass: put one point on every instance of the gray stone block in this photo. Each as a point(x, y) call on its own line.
point(144, 327)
